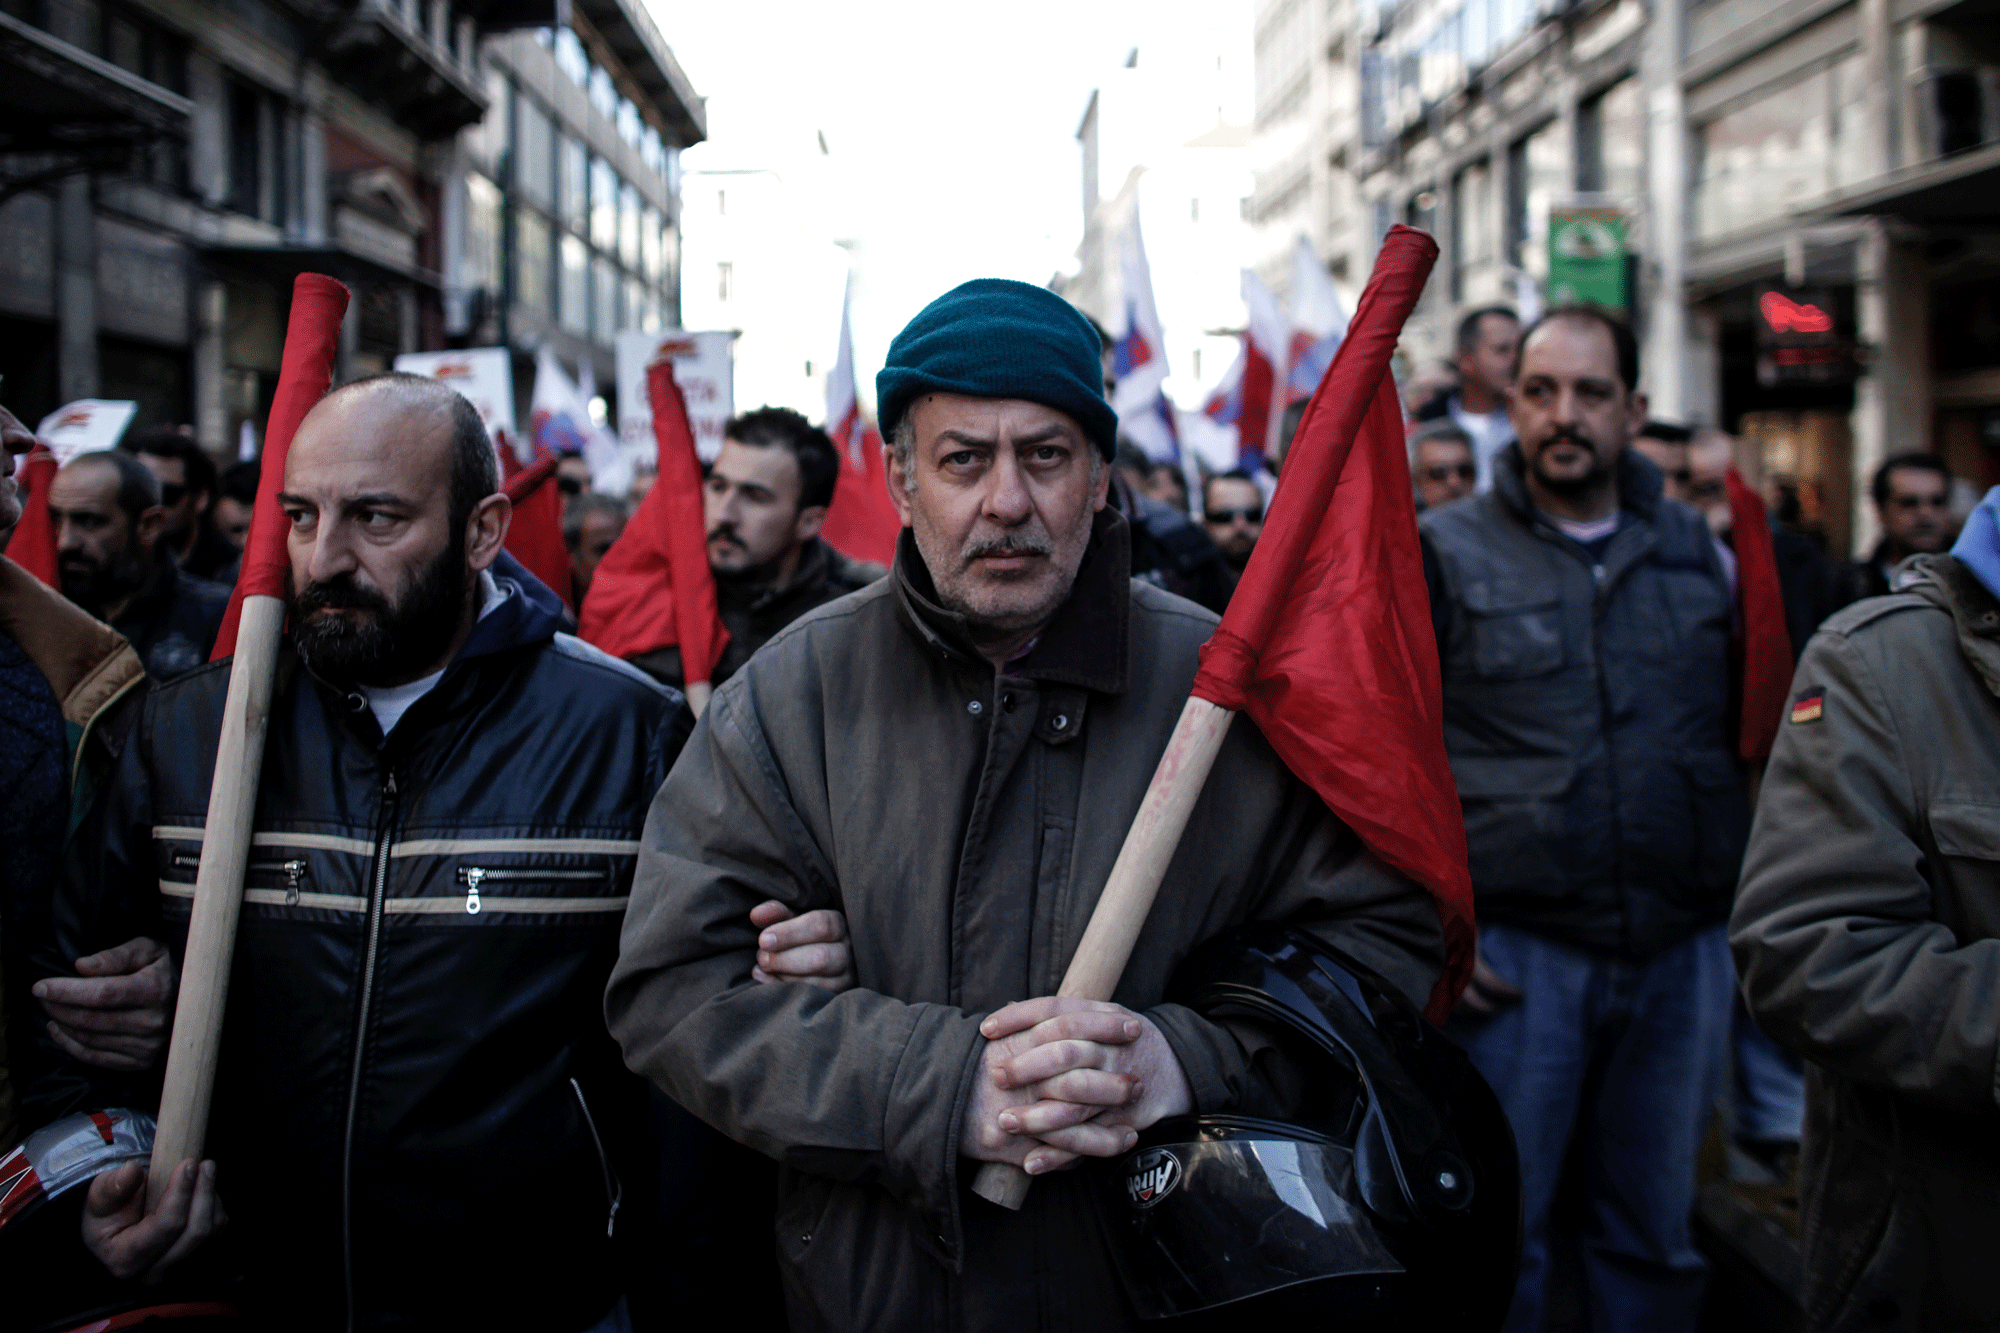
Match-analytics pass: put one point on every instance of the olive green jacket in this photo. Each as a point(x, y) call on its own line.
point(1867, 934)
point(868, 759)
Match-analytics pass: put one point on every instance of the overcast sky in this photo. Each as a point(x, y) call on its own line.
point(949, 128)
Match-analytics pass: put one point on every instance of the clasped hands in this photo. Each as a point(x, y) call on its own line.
point(1062, 1079)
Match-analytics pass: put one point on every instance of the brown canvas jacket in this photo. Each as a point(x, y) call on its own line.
point(89, 668)
point(867, 759)
point(1867, 934)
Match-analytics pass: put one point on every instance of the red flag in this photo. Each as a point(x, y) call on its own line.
point(33, 545)
point(535, 536)
point(863, 523)
point(653, 589)
point(1328, 643)
point(1766, 646)
point(305, 373)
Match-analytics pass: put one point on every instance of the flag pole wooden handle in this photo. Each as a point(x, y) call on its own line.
point(1128, 895)
point(697, 696)
point(218, 895)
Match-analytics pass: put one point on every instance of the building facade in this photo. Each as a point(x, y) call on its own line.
point(1805, 200)
point(167, 167)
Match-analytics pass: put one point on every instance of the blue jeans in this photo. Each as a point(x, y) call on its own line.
point(1624, 1058)
point(1770, 1085)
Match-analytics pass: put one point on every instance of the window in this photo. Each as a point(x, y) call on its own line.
point(649, 244)
point(603, 95)
point(487, 141)
point(573, 189)
point(628, 121)
point(482, 233)
point(534, 152)
point(603, 205)
point(570, 58)
point(635, 304)
point(724, 276)
point(628, 224)
point(139, 46)
point(1762, 159)
point(262, 153)
point(573, 287)
point(1471, 228)
point(531, 261)
point(1536, 173)
point(606, 318)
point(1611, 142)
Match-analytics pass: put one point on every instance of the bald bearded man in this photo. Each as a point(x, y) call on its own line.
point(419, 1120)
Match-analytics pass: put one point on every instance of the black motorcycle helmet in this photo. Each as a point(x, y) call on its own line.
point(1393, 1200)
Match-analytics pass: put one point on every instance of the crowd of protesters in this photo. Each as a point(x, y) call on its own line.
point(552, 1004)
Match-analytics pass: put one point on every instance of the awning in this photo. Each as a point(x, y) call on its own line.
point(285, 262)
point(64, 110)
point(1960, 190)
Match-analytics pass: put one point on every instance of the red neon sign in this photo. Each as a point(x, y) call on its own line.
point(1785, 315)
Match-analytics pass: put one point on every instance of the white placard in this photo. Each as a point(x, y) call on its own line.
point(86, 426)
point(485, 375)
point(705, 369)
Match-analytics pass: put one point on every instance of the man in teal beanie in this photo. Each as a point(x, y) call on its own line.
point(951, 758)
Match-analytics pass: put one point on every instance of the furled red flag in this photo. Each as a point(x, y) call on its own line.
point(305, 371)
point(862, 523)
point(33, 545)
point(1766, 646)
point(1328, 643)
point(653, 589)
point(535, 536)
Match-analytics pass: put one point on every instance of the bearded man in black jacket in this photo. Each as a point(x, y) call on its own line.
point(419, 1120)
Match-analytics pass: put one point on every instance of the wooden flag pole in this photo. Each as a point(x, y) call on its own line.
point(218, 885)
point(697, 695)
point(1128, 895)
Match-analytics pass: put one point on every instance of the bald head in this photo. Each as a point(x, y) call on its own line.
point(390, 489)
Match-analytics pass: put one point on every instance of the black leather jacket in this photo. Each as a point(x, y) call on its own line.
point(419, 1120)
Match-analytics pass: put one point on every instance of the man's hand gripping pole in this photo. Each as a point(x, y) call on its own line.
point(1128, 894)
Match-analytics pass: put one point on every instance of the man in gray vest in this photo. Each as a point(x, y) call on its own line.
point(1584, 632)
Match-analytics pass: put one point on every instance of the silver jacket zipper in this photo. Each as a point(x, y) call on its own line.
point(474, 876)
point(294, 872)
point(377, 890)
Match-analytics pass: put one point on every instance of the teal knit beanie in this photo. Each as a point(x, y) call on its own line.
point(996, 338)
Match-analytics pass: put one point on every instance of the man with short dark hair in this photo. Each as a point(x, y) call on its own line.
point(187, 494)
point(1441, 463)
point(764, 502)
point(1912, 494)
point(1483, 352)
point(1584, 631)
point(1667, 445)
point(1233, 508)
point(953, 756)
point(235, 501)
point(590, 523)
point(447, 817)
point(108, 520)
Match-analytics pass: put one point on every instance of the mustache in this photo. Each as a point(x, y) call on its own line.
point(724, 532)
point(1016, 543)
point(339, 593)
point(1563, 435)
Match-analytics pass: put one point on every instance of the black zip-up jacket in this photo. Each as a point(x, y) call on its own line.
point(419, 1120)
point(1589, 711)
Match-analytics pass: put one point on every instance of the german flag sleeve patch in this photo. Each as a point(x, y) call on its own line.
point(1810, 706)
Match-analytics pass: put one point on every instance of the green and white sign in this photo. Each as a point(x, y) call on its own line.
point(1587, 258)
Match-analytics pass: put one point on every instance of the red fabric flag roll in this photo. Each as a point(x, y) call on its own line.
point(33, 545)
point(312, 342)
point(653, 589)
point(862, 523)
point(535, 536)
point(1328, 643)
point(1766, 645)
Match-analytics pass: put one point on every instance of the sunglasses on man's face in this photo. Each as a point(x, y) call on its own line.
point(1446, 471)
point(1220, 516)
